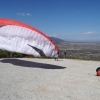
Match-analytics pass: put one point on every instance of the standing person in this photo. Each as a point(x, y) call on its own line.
point(11, 54)
point(56, 58)
point(65, 54)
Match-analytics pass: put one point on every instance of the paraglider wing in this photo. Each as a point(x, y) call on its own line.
point(19, 37)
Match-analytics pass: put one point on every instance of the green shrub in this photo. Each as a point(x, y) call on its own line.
point(17, 55)
point(3, 54)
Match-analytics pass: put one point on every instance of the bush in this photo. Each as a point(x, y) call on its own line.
point(3, 54)
point(17, 55)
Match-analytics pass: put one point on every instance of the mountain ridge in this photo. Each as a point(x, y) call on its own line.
point(57, 40)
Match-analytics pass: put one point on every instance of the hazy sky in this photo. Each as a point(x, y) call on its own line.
point(66, 19)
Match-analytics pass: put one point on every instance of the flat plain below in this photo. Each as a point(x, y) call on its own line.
point(47, 79)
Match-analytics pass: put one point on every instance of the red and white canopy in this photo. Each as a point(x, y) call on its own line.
point(19, 37)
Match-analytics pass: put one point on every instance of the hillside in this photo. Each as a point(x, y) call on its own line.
point(78, 50)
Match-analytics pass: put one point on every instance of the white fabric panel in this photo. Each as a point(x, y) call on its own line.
point(17, 38)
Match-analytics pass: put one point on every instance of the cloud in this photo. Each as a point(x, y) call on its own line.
point(24, 14)
point(28, 14)
point(91, 32)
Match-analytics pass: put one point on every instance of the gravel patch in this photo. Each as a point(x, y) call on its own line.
point(47, 79)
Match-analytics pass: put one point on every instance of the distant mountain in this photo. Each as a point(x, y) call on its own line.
point(57, 40)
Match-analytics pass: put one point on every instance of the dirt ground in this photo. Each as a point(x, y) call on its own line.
point(47, 79)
